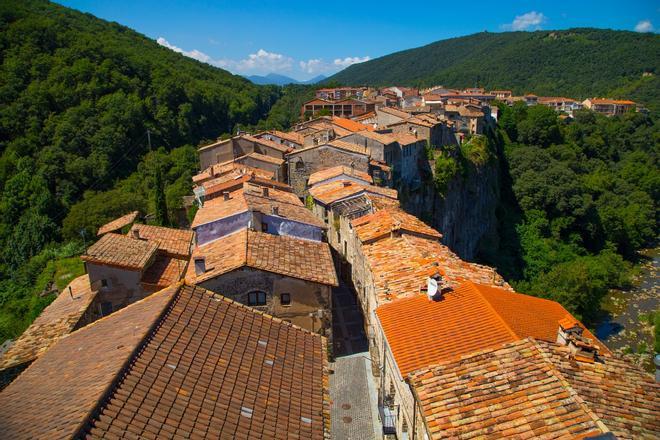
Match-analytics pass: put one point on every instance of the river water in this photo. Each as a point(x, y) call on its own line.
point(621, 327)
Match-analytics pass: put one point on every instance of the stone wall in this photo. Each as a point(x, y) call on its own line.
point(307, 298)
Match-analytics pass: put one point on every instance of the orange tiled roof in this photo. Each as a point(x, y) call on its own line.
point(348, 146)
point(261, 158)
point(164, 271)
point(289, 136)
point(171, 241)
point(339, 170)
point(122, 251)
point(251, 197)
point(604, 101)
point(214, 188)
point(118, 223)
point(181, 363)
point(380, 224)
point(57, 320)
point(292, 257)
point(395, 112)
point(405, 138)
point(349, 124)
point(225, 171)
point(331, 192)
point(511, 391)
point(423, 332)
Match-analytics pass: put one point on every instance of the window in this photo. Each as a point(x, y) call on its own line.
point(104, 283)
point(264, 227)
point(300, 165)
point(257, 299)
point(285, 299)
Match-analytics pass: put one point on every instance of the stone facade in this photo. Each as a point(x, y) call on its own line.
point(117, 287)
point(304, 162)
point(310, 303)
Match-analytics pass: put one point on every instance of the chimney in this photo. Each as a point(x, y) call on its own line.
point(275, 210)
point(225, 195)
point(265, 191)
point(136, 233)
point(570, 335)
point(200, 265)
point(396, 230)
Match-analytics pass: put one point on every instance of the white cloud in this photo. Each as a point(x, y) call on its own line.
point(196, 54)
point(530, 20)
point(265, 61)
point(345, 62)
point(315, 65)
point(644, 26)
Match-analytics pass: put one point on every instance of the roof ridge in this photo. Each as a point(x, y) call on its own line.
point(490, 306)
point(105, 396)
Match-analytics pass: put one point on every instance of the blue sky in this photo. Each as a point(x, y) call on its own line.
point(303, 39)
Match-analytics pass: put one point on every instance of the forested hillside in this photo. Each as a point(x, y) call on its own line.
point(77, 96)
point(579, 199)
point(577, 63)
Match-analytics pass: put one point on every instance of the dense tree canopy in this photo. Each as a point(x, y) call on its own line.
point(582, 200)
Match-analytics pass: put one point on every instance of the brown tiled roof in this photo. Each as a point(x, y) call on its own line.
point(215, 188)
point(395, 112)
point(181, 363)
point(164, 271)
point(383, 138)
point(268, 143)
point(331, 192)
point(329, 173)
point(57, 320)
point(292, 257)
point(250, 197)
point(120, 250)
point(422, 332)
point(289, 136)
point(171, 241)
point(118, 223)
point(54, 397)
point(626, 398)
point(223, 172)
point(348, 146)
point(261, 158)
point(511, 391)
point(405, 138)
point(381, 223)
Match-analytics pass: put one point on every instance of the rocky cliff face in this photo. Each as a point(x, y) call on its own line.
point(466, 214)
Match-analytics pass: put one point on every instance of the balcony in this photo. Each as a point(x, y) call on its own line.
point(388, 419)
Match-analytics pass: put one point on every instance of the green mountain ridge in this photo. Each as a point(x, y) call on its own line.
point(578, 63)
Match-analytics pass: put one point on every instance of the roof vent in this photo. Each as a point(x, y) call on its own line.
point(225, 195)
point(246, 412)
point(265, 191)
point(200, 265)
point(136, 233)
point(275, 210)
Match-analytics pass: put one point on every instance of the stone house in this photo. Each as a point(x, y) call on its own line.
point(238, 146)
point(268, 163)
point(290, 139)
point(303, 163)
point(283, 276)
point(340, 172)
point(387, 115)
point(259, 207)
point(428, 127)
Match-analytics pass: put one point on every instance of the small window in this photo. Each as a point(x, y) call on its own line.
point(285, 299)
point(300, 165)
point(257, 299)
point(264, 227)
point(104, 283)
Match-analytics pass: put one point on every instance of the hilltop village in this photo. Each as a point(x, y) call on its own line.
point(299, 257)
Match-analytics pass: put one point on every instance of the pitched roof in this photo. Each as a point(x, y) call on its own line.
point(383, 138)
point(381, 223)
point(122, 251)
point(289, 136)
point(252, 198)
point(511, 391)
point(118, 223)
point(171, 241)
point(348, 146)
point(58, 319)
point(183, 362)
point(164, 271)
point(349, 124)
point(222, 172)
point(336, 190)
point(215, 187)
point(268, 143)
point(422, 332)
point(395, 112)
point(261, 158)
point(284, 255)
point(339, 170)
point(54, 397)
point(405, 138)
point(626, 398)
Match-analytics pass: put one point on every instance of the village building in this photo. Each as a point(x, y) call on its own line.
point(609, 107)
point(448, 323)
point(220, 173)
point(340, 172)
point(387, 115)
point(339, 93)
point(272, 165)
point(286, 277)
point(467, 118)
point(560, 104)
point(182, 363)
point(502, 95)
point(538, 389)
point(126, 268)
point(259, 207)
point(290, 139)
point(435, 131)
point(345, 107)
point(214, 188)
point(303, 163)
point(240, 146)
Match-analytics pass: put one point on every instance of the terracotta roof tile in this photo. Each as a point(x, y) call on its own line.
point(503, 392)
point(181, 363)
point(171, 241)
point(329, 173)
point(58, 392)
point(395, 112)
point(164, 271)
point(381, 223)
point(348, 146)
point(118, 223)
point(296, 258)
point(334, 191)
point(422, 332)
point(383, 138)
point(120, 250)
point(220, 173)
point(349, 124)
point(57, 320)
point(268, 143)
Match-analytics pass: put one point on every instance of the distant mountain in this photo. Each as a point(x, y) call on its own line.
point(575, 62)
point(281, 80)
